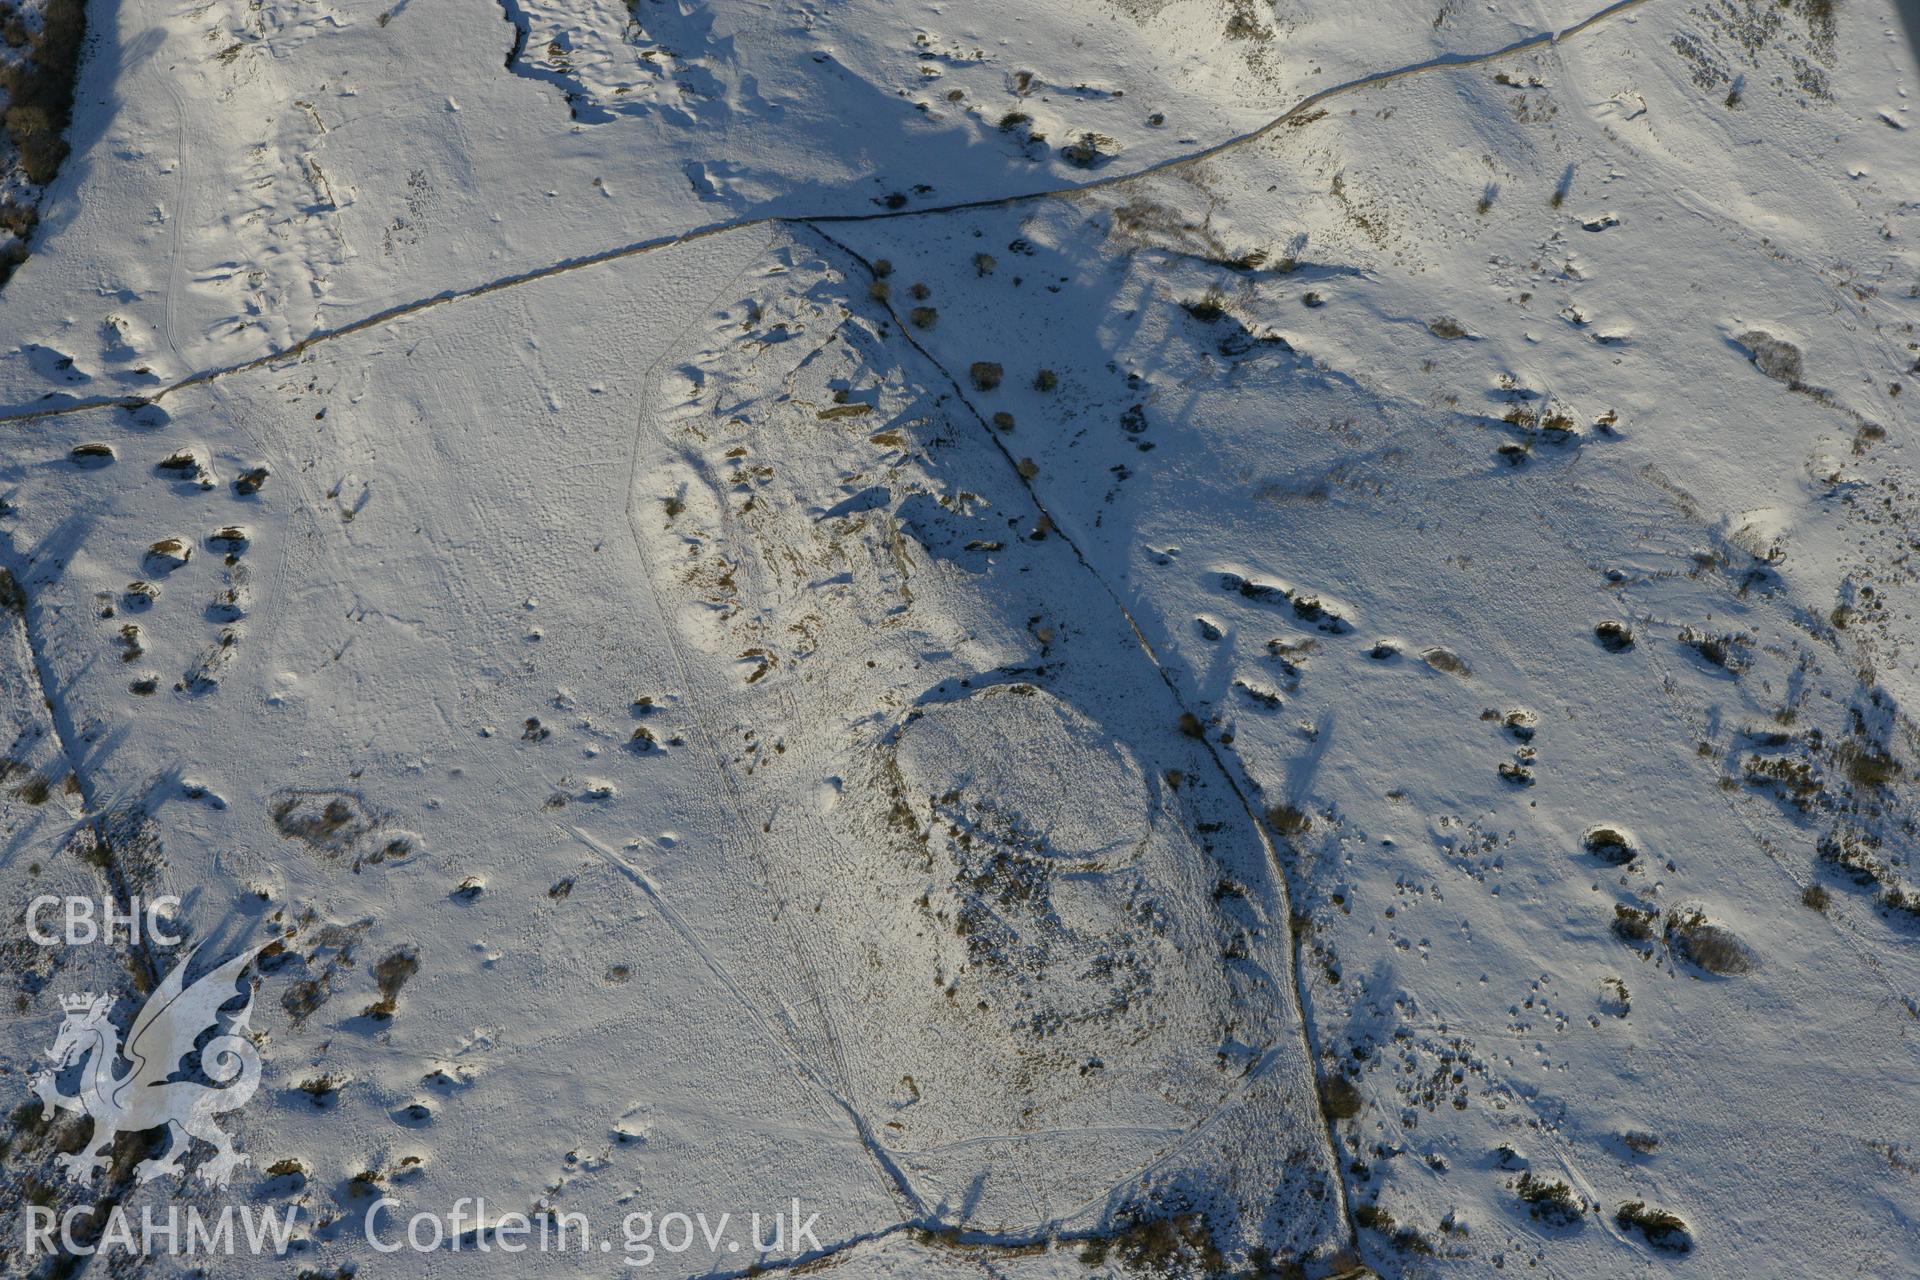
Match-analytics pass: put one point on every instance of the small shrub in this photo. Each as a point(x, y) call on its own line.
point(1712, 947)
point(1288, 820)
point(391, 974)
point(924, 317)
point(1045, 380)
point(1178, 1245)
point(18, 219)
point(1816, 897)
point(1614, 636)
point(1897, 897)
point(1728, 652)
point(1775, 357)
point(1316, 611)
point(1610, 846)
point(1339, 1098)
point(1866, 764)
point(1089, 150)
point(1631, 924)
point(168, 554)
point(231, 538)
point(985, 374)
point(1663, 1230)
point(1549, 1200)
point(37, 135)
point(1794, 777)
point(322, 1090)
point(1207, 308)
point(12, 254)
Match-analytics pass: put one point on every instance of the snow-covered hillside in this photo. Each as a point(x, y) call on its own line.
point(1099, 639)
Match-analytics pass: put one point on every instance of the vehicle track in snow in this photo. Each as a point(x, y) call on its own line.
point(1441, 62)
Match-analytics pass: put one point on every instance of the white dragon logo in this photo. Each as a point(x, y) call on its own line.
point(143, 1097)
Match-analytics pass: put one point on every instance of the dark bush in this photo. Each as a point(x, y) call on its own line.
point(1664, 1231)
point(39, 90)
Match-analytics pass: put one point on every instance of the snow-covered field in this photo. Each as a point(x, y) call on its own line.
point(1105, 638)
